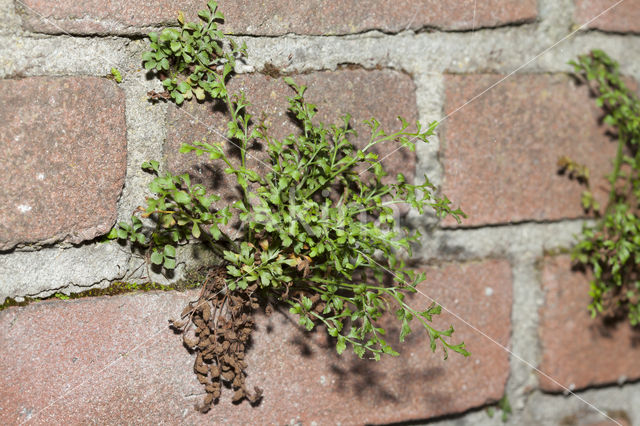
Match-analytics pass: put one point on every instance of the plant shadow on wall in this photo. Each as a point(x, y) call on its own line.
point(317, 236)
point(349, 376)
point(610, 250)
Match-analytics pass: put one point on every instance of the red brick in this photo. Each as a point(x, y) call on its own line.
point(623, 18)
point(577, 350)
point(82, 347)
point(100, 17)
point(344, 17)
point(500, 151)
point(120, 363)
point(64, 158)
point(277, 17)
point(335, 93)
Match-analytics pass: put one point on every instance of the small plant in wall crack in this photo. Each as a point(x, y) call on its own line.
point(114, 75)
point(317, 235)
point(504, 406)
point(611, 248)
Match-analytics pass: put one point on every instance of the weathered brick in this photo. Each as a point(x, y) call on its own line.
point(276, 17)
point(623, 18)
point(113, 360)
point(100, 17)
point(64, 158)
point(357, 92)
point(320, 17)
point(75, 356)
point(579, 351)
point(500, 151)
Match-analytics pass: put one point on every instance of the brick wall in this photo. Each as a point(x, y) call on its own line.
point(494, 72)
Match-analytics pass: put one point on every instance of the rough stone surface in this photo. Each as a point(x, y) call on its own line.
point(114, 360)
point(52, 270)
point(620, 403)
point(500, 50)
point(621, 18)
point(578, 351)
point(146, 130)
point(277, 17)
point(588, 407)
point(357, 92)
point(516, 242)
point(64, 161)
point(501, 149)
point(10, 22)
point(614, 421)
point(61, 56)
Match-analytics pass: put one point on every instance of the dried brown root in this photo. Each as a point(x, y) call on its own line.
point(223, 323)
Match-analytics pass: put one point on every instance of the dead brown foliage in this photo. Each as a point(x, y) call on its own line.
point(217, 327)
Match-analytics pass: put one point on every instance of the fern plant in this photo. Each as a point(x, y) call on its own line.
point(611, 248)
point(317, 235)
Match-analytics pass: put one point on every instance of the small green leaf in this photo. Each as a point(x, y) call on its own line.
point(169, 251)
point(116, 75)
point(215, 232)
point(195, 231)
point(183, 87)
point(406, 329)
point(205, 15)
point(152, 166)
point(156, 257)
point(199, 93)
point(169, 263)
point(265, 278)
point(306, 303)
point(182, 197)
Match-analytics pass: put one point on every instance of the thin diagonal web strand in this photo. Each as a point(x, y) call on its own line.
point(475, 3)
point(210, 128)
point(507, 76)
point(500, 345)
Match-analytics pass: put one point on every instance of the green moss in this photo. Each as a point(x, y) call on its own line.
point(192, 280)
point(557, 251)
point(12, 302)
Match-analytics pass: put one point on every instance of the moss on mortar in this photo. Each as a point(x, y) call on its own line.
point(192, 280)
